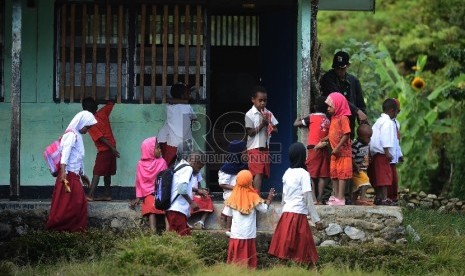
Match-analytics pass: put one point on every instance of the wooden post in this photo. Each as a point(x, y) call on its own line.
point(142, 53)
point(15, 147)
point(94, 51)
point(63, 53)
point(154, 53)
point(304, 67)
point(71, 53)
point(165, 53)
point(176, 44)
point(120, 53)
point(187, 38)
point(198, 50)
point(83, 51)
point(107, 51)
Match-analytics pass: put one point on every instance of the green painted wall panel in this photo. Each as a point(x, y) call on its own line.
point(7, 50)
point(43, 122)
point(29, 55)
point(45, 44)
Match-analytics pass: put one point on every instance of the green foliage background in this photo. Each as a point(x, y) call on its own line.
point(400, 41)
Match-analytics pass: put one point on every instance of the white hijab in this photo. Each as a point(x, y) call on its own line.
point(80, 120)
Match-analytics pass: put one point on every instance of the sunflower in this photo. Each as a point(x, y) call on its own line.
point(418, 83)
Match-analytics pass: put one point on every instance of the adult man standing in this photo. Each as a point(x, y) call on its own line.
point(338, 80)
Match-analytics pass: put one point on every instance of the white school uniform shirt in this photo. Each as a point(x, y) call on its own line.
point(230, 179)
point(71, 155)
point(184, 175)
point(398, 150)
point(384, 136)
point(198, 178)
point(244, 227)
point(177, 127)
point(253, 119)
point(296, 182)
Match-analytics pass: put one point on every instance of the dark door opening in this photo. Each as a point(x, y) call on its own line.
point(268, 59)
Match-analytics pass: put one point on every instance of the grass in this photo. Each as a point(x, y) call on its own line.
point(439, 252)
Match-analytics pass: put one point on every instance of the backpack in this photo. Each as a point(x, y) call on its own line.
point(163, 185)
point(52, 156)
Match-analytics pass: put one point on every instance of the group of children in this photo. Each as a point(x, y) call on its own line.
point(329, 153)
point(368, 160)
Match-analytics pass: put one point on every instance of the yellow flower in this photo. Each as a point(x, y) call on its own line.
point(418, 83)
point(415, 68)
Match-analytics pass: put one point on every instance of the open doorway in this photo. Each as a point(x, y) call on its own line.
point(252, 48)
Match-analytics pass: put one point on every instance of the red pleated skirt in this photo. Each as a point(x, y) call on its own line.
point(293, 240)
point(148, 206)
point(243, 252)
point(205, 204)
point(68, 211)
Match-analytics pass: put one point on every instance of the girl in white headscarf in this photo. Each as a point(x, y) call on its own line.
point(68, 211)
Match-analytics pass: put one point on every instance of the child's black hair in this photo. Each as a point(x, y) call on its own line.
point(89, 104)
point(362, 128)
point(256, 89)
point(177, 90)
point(389, 104)
point(320, 105)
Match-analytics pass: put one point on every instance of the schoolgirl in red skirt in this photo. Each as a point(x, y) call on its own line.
point(68, 211)
point(150, 164)
point(292, 239)
point(242, 205)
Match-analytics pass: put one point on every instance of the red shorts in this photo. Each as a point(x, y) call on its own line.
point(148, 206)
point(380, 171)
point(318, 163)
point(340, 167)
point(259, 161)
point(177, 222)
point(169, 153)
point(105, 163)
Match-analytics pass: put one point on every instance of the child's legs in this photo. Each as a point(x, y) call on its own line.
point(321, 187)
point(204, 216)
point(257, 181)
point(153, 222)
point(314, 180)
point(335, 182)
point(93, 186)
point(228, 223)
point(107, 183)
point(341, 189)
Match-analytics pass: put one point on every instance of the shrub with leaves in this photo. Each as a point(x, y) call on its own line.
point(165, 254)
point(49, 247)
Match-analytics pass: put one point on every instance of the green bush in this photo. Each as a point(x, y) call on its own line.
point(212, 248)
point(150, 254)
point(49, 247)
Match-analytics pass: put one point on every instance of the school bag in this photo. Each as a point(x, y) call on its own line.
point(52, 156)
point(163, 185)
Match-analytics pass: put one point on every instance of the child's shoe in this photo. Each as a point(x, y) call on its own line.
point(331, 199)
point(337, 202)
point(199, 225)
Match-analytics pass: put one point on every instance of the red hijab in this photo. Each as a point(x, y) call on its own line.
point(339, 103)
point(148, 167)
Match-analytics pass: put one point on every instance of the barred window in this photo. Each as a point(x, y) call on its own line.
point(234, 30)
point(132, 53)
